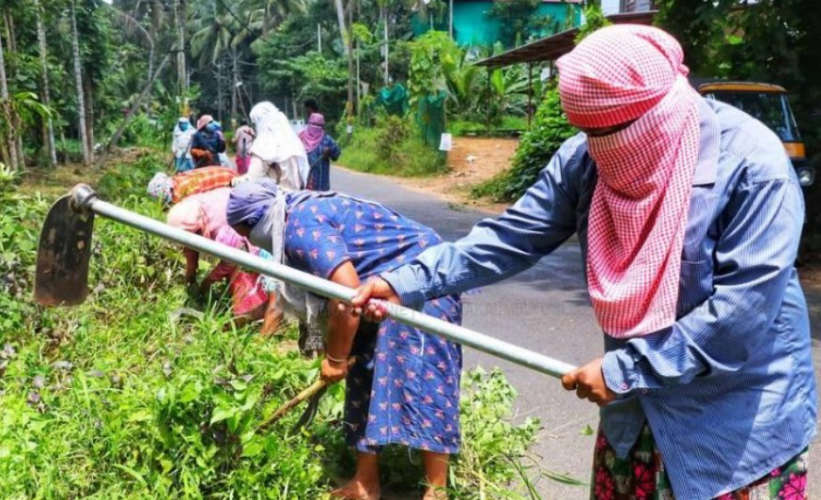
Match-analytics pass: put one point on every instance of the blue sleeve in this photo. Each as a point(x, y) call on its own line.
point(753, 262)
point(196, 142)
point(543, 218)
point(336, 152)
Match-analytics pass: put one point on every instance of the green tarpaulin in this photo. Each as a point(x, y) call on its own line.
point(430, 116)
point(394, 99)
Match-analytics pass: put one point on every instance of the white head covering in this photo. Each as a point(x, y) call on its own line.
point(182, 138)
point(276, 141)
point(161, 186)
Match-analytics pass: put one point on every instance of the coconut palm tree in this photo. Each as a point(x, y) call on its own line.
point(78, 78)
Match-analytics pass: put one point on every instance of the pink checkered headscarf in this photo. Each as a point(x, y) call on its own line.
point(638, 215)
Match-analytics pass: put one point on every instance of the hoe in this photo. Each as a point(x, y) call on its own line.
point(65, 248)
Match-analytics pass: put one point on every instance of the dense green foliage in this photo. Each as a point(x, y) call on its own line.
point(143, 63)
point(137, 394)
point(519, 20)
point(773, 41)
point(507, 126)
point(547, 132)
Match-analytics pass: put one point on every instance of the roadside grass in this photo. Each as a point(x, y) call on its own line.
point(509, 125)
point(140, 393)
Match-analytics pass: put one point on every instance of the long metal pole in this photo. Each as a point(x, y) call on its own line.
point(85, 198)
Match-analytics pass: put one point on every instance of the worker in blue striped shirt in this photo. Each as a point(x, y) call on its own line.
point(707, 390)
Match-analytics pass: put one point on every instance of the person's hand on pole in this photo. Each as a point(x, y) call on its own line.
point(588, 382)
point(342, 326)
point(375, 288)
point(333, 370)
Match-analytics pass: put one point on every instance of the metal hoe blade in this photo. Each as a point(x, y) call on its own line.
point(310, 411)
point(62, 256)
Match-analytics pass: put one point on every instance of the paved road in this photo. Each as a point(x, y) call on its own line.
point(545, 309)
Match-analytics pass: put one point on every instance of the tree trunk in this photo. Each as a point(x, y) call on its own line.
point(234, 86)
point(450, 18)
point(48, 123)
point(88, 98)
point(386, 46)
point(346, 43)
point(182, 81)
point(219, 91)
point(8, 145)
point(78, 81)
point(266, 19)
point(343, 31)
point(137, 103)
point(156, 24)
point(15, 138)
point(10, 35)
point(351, 70)
point(358, 43)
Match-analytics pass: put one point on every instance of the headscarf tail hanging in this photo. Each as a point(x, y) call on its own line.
point(634, 74)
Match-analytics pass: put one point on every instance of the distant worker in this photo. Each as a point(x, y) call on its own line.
point(199, 180)
point(181, 145)
point(276, 152)
point(243, 140)
point(204, 214)
point(689, 215)
point(222, 156)
point(321, 149)
point(206, 143)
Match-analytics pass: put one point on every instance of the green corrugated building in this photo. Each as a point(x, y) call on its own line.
point(473, 26)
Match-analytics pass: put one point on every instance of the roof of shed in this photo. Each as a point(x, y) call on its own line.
point(555, 46)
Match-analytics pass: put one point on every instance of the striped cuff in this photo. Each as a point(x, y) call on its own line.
point(404, 282)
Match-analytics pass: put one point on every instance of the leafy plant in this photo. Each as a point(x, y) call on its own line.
point(430, 54)
point(594, 19)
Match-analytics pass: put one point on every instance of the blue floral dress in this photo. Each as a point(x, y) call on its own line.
point(319, 177)
point(404, 388)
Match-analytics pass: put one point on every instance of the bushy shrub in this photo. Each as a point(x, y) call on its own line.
point(393, 147)
point(146, 131)
point(548, 131)
point(69, 151)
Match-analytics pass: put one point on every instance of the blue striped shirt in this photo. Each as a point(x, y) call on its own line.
point(728, 390)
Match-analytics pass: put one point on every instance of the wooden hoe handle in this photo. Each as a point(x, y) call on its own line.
point(311, 390)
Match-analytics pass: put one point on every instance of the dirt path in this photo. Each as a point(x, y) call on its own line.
point(472, 160)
